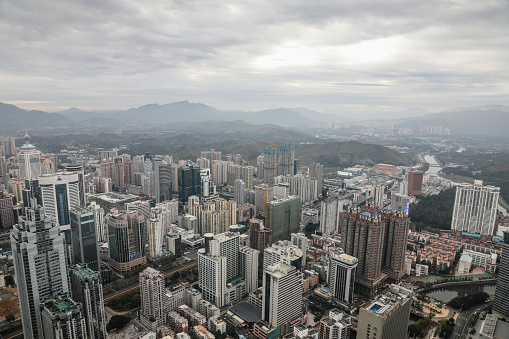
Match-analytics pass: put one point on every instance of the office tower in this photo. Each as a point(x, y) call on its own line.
point(62, 318)
point(207, 186)
point(152, 292)
point(269, 165)
point(189, 182)
point(301, 241)
point(81, 181)
point(415, 180)
point(315, 170)
point(378, 195)
point(286, 159)
point(386, 317)
point(40, 263)
point(29, 160)
point(126, 237)
point(240, 192)
point(47, 167)
point(101, 228)
point(16, 187)
point(283, 217)
point(148, 183)
point(260, 237)
point(87, 289)
point(475, 209)
point(285, 252)
point(282, 294)
point(341, 274)
point(249, 267)
point(154, 231)
point(500, 304)
point(142, 207)
point(330, 213)
point(263, 194)
point(84, 238)
point(163, 175)
point(105, 155)
point(59, 195)
point(336, 325)
point(7, 216)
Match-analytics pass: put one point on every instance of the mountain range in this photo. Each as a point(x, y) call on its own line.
point(184, 115)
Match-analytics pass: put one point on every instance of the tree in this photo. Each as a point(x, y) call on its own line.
point(117, 322)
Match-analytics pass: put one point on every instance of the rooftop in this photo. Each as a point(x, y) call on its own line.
point(84, 272)
point(384, 304)
point(60, 304)
point(247, 312)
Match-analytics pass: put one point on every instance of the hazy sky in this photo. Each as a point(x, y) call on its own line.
point(324, 55)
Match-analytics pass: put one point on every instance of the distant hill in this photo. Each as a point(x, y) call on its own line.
point(13, 117)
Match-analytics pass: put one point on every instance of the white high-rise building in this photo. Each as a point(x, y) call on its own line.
point(152, 293)
point(29, 161)
point(40, 264)
point(283, 251)
point(142, 207)
point(329, 216)
point(475, 209)
point(59, 195)
point(282, 302)
point(378, 195)
point(249, 267)
point(212, 277)
point(101, 227)
point(154, 236)
point(341, 274)
point(301, 241)
point(240, 192)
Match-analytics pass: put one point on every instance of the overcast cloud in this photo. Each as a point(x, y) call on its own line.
point(325, 55)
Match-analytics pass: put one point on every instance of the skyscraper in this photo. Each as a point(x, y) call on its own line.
point(240, 192)
point(269, 164)
point(62, 318)
point(386, 317)
point(331, 209)
point(315, 170)
point(59, 195)
point(260, 238)
point(283, 251)
point(152, 293)
point(39, 258)
point(7, 216)
point(78, 169)
point(84, 238)
point(29, 160)
point(154, 231)
point(248, 261)
point(286, 159)
point(189, 182)
point(341, 274)
point(336, 325)
point(415, 180)
point(87, 290)
point(126, 240)
point(282, 294)
point(500, 304)
point(301, 241)
point(475, 209)
point(283, 217)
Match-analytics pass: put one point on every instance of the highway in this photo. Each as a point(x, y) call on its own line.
point(19, 334)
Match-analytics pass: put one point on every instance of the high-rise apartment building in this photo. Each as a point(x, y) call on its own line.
point(260, 237)
point(62, 318)
point(248, 261)
point(152, 293)
point(40, 263)
point(269, 164)
point(211, 155)
point(87, 289)
point(283, 251)
point(415, 179)
point(315, 170)
point(101, 228)
point(240, 192)
point(331, 209)
point(500, 304)
point(7, 215)
point(154, 236)
point(126, 237)
point(475, 209)
point(283, 217)
point(29, 161)
point(301, 241)
point(386, 317)
point(84, 238)
point(378, 239)
point(286, 159)
point(282, 294)
point(263, 194)
point(60, 194)
point(336, 325)
point(341, 274)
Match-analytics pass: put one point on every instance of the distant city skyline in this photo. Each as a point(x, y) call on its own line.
point(330, 57)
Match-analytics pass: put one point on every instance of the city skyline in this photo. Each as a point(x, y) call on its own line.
point(330, 57)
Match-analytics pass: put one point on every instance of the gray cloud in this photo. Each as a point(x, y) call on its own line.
point(326, 55)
